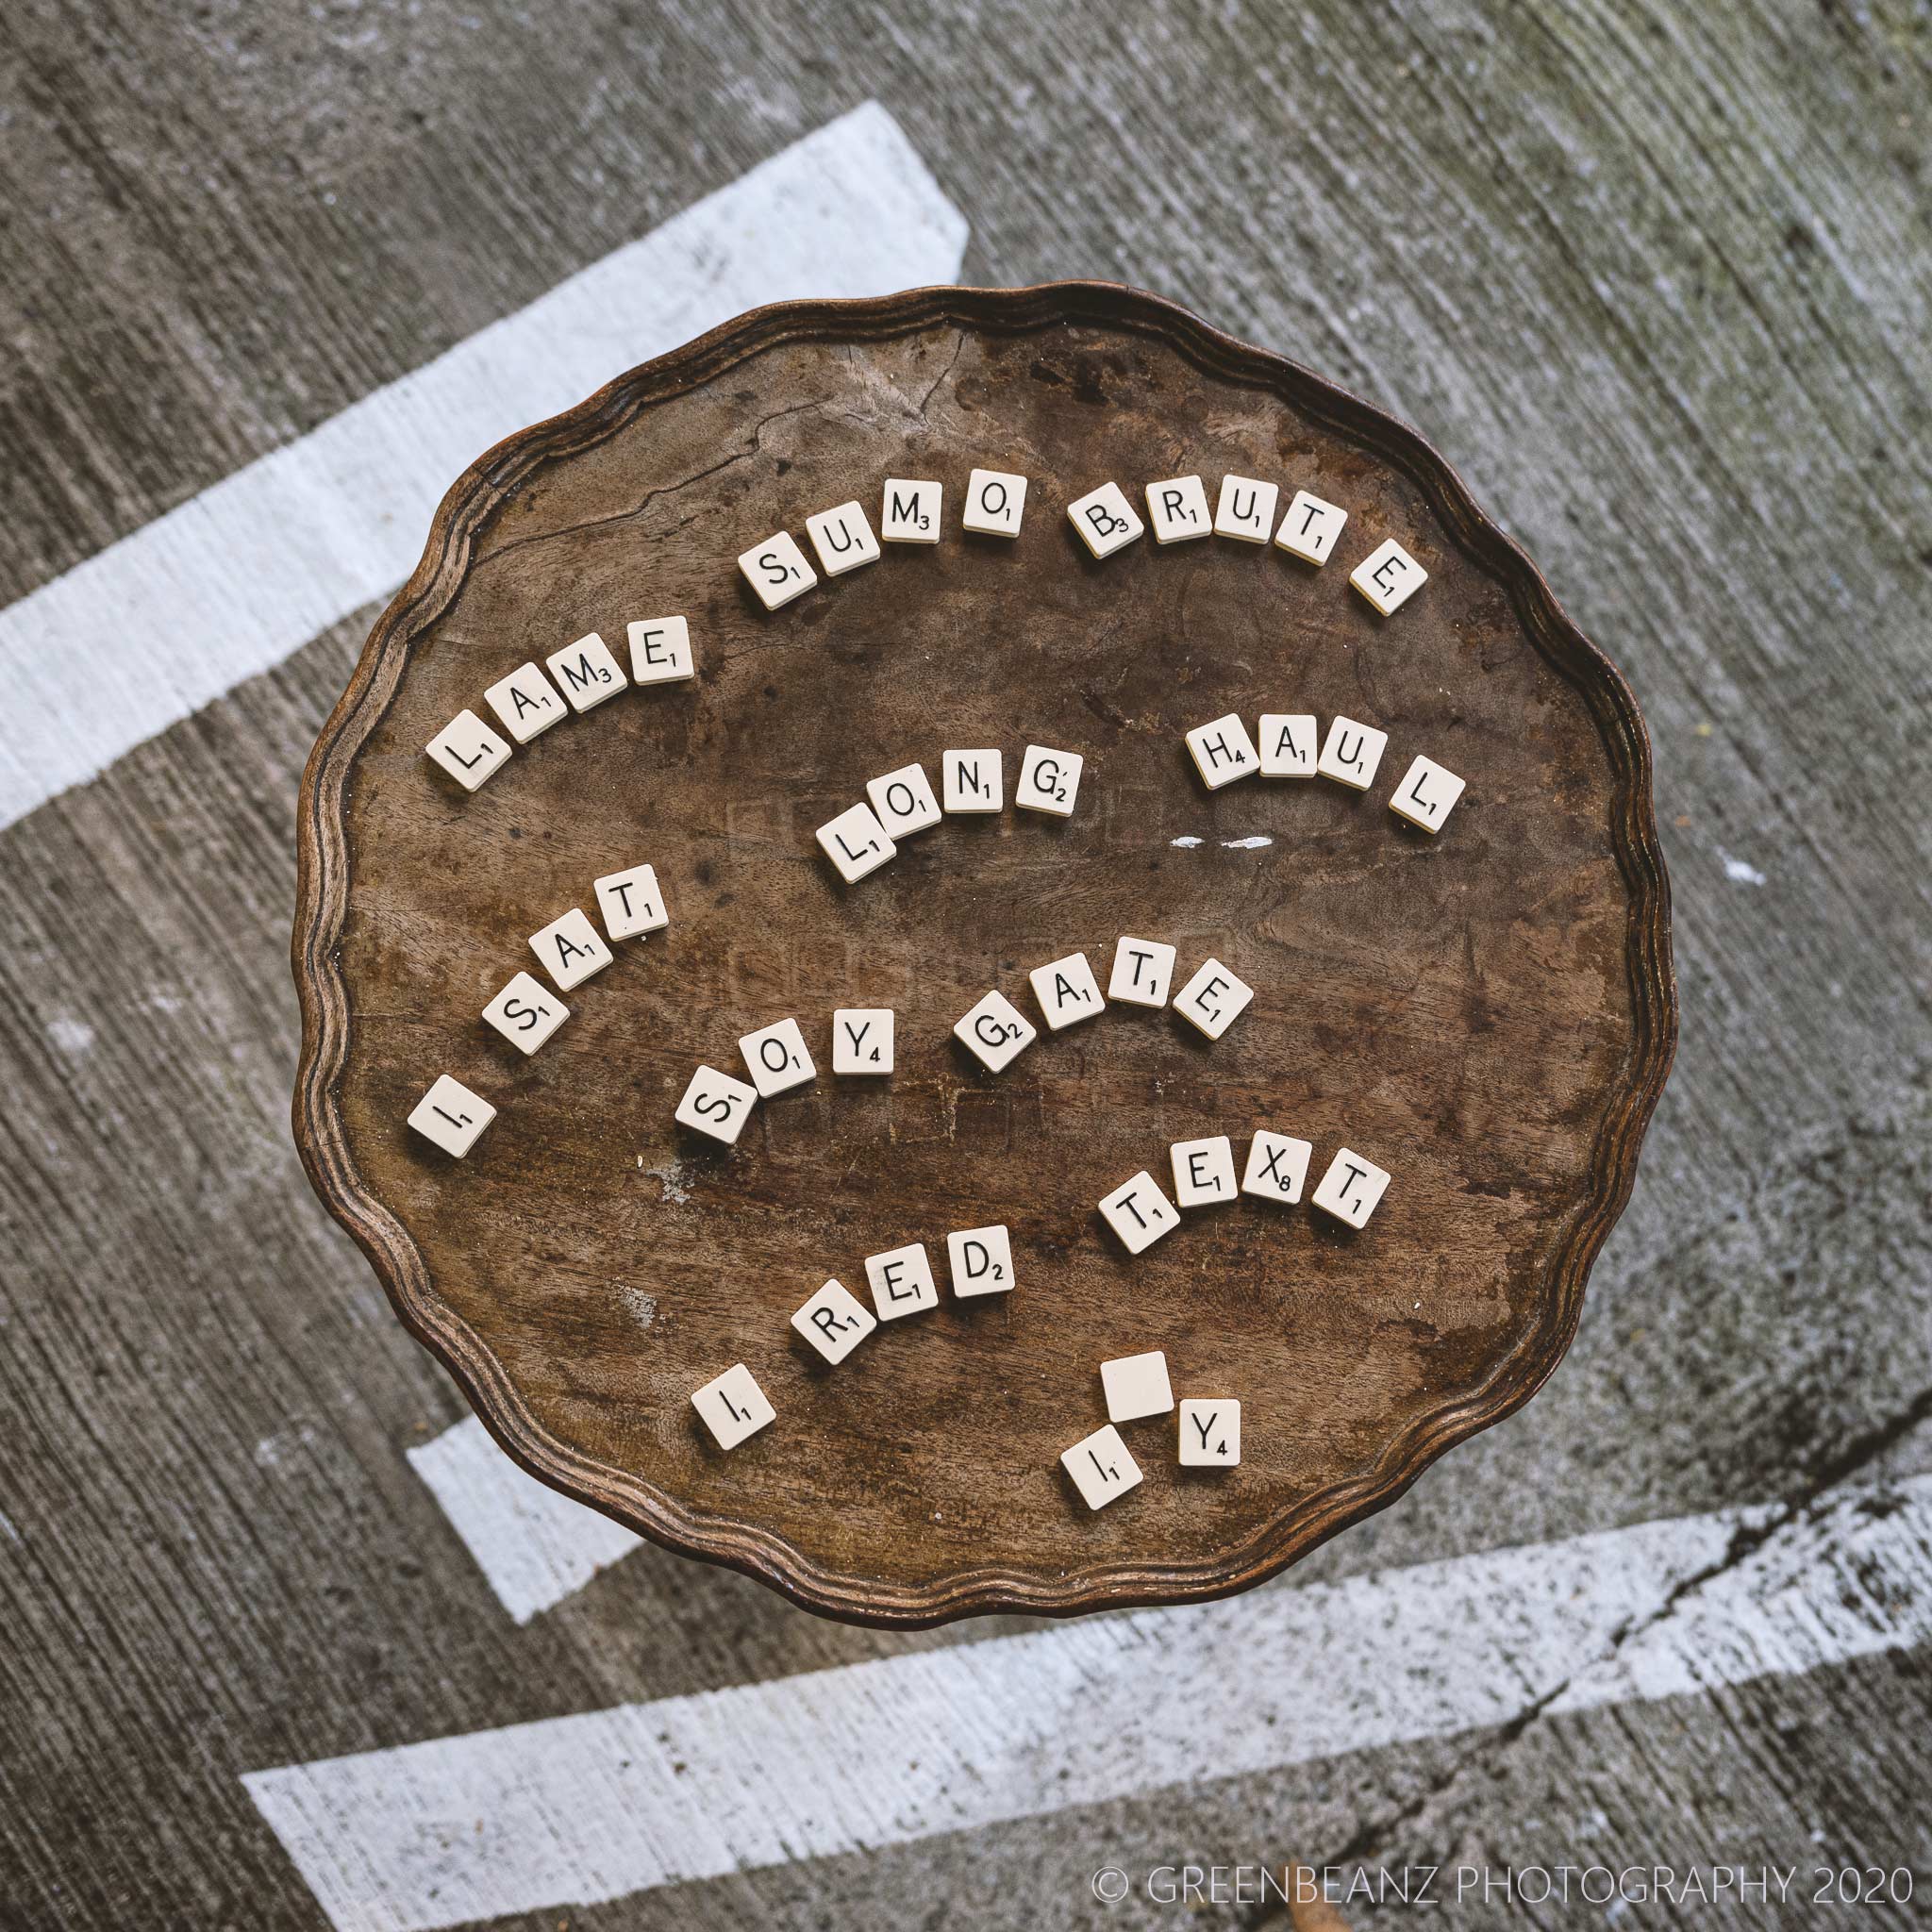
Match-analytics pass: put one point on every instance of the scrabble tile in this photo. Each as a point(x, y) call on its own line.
point(856, 842)
point(1428, 796)
point(1210, 1432)
point(863, 1040)
point(717, 1105)
point(835, 1320)
point(843, 539)
point(995, 502)
point(733, 1406)
point(776, 571)
point(982, 1261)
point(631, 903)
point(586, 673)
point(468, 750)
point(1140, 1213)
point(972, 780)
point(525, 1012)
point(1101, 1467)
point(1067, 991)
point(902, 1282)
point(1214, 999)
point(1136, 1385)
point(1246, 510)
point(1310, 527)
point(1288, 744)
point(1049, 780)
point(995, 1031)
point(901, 801)
point(1389, 578)
point(1223, 752)
point(1277, 1166)
point(570, 949)
point(777, 1058)
point(452, 1116)
point(909, 511)
point(1351, 753)
point(661, 651)
point(1177, 509)
point(1105, 520)
point(1203, 1172)
point(1143, 972)
point(525, 703)
point(1351, 1188)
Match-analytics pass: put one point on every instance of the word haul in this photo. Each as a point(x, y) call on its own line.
point(902, 803)
point(1351, 754)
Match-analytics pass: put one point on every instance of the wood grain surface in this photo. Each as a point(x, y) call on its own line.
point(1489, 1013)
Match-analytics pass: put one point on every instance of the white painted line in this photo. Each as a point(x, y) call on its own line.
point(232, 581)
point(534, 1545)
point(575, 1810)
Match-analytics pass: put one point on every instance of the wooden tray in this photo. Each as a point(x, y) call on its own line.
point(1489, 1014)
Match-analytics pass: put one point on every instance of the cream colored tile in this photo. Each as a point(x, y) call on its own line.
point(468, 750)
point(776, 571)
point(451, 1116)
point(733, 1406)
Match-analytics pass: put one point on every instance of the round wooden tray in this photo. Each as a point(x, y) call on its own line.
point(1489, 1014)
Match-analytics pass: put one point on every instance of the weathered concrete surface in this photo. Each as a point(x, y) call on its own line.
point(1658, 282)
